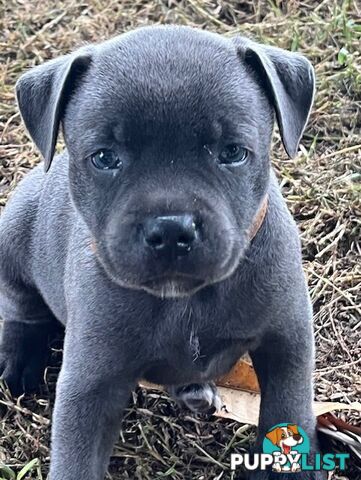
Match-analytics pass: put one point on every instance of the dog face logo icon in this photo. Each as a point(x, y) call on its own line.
point(286, 442)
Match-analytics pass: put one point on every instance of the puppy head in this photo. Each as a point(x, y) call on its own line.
point(285, 436)
point(168, 131)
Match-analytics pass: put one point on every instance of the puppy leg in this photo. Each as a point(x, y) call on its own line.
point(198, 397)
point(24, 340)
point(92, 392)
point(284, 364)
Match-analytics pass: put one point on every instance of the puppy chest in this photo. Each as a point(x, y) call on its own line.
point(193, 358)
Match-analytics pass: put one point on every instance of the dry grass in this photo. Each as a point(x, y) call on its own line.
point(321, 186)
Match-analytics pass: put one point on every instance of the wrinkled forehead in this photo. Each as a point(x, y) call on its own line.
point(172, 87)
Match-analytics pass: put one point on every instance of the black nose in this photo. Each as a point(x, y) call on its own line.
point(172, 235)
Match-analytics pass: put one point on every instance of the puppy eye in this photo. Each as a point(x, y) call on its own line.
point(233, 154)
point(105, 160)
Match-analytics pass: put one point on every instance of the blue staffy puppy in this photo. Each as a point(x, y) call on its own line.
point(159, 238)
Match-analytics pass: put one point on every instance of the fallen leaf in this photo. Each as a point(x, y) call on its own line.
point(241, 377)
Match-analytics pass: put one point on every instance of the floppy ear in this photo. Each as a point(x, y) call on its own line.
point(274, 436)
point(42, 94)
point(289, 81)
point(293, 428)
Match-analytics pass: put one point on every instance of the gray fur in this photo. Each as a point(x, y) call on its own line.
point(166, 99)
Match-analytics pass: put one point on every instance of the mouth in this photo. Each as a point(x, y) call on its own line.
point(286, 449)
point(175, 286)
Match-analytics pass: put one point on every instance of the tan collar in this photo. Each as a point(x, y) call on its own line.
point(258, 219)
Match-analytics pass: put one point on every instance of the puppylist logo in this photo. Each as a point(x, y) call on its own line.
point(286, 443)
point(286, 449)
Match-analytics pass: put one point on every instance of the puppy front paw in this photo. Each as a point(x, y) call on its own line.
point(295, 467)
point(23, 354)
point(277, 467)
point(11, 371)
point(21, 375)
